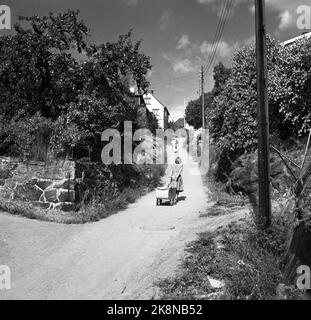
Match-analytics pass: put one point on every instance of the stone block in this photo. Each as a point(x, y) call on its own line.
point(44, 184)
point(51, 195)
point(67, 184)
point(42, 205)
point(65, 195)
point(28, 192)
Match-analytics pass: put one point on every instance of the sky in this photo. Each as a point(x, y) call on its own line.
point(176, 34)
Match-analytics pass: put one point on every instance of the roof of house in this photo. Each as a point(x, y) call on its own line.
point(149, 93)
point(290, 41)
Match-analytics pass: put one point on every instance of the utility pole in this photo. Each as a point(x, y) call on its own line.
point(185, 113)
point(264, 209)
point(203, 102)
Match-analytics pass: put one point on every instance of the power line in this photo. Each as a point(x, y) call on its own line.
point(225, 13)
point(227, 10)
point(215, 40)
point(219, 33)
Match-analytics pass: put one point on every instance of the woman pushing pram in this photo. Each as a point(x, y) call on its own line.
point(175, 185)
point(175, 178)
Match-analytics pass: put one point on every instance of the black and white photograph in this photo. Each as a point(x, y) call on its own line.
point(155, 151)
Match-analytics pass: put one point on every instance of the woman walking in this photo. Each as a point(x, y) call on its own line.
point(176, 178)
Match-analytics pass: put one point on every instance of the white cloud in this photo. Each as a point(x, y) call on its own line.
point(183, 66)
point(197, 54)
point(149, 74)
point(287, 10)
point(224, 50)
point(285, 5)
point(287, 20)
point(174, 88)
point(183, 42)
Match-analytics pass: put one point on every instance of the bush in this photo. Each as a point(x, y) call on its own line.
point(28, 137)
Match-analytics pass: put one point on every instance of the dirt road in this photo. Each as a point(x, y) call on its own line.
point(117, 258)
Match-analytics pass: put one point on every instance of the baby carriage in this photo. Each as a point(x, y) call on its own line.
point(167, 193)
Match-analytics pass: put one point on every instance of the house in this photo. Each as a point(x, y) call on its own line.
point(158, 109)
point(134, 96)
point(292, 41)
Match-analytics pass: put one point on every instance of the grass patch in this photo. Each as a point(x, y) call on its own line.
point(97, 210)
point(217, 193)
point(245, 259)
point(92, 212)
point(27, 210)
point(224, 203)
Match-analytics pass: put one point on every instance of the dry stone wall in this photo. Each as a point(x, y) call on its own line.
point(49, 186)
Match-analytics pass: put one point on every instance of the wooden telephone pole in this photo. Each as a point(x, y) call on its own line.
point(264, 209)
point(203, 102)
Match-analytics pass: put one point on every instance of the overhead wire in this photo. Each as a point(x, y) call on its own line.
point(227, 12)
point(223, 19)
point(217, 33)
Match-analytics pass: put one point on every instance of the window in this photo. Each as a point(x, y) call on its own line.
point(147, 101)
point(156, 112)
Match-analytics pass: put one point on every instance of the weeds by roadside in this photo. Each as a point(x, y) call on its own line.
point(27, 210)
point(223, 202)
point(92, 212)
point(243, 258)
point(96, 210)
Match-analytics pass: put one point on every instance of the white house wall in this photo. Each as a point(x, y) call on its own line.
point(155, 104)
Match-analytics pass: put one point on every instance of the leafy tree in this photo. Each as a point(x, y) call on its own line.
point(82, 125)
point(221, 76)
point(51, 72)
point(234, 110)
point(37, 69)
point(110, 64)
point(293, 91)
point(28, 137)
point(178, 124)
point(194, 110)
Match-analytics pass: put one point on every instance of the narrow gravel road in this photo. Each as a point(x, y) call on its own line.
point(117, 258)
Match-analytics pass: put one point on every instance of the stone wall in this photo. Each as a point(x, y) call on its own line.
point(48, 186)
point(65, 185)
point(244, 176)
